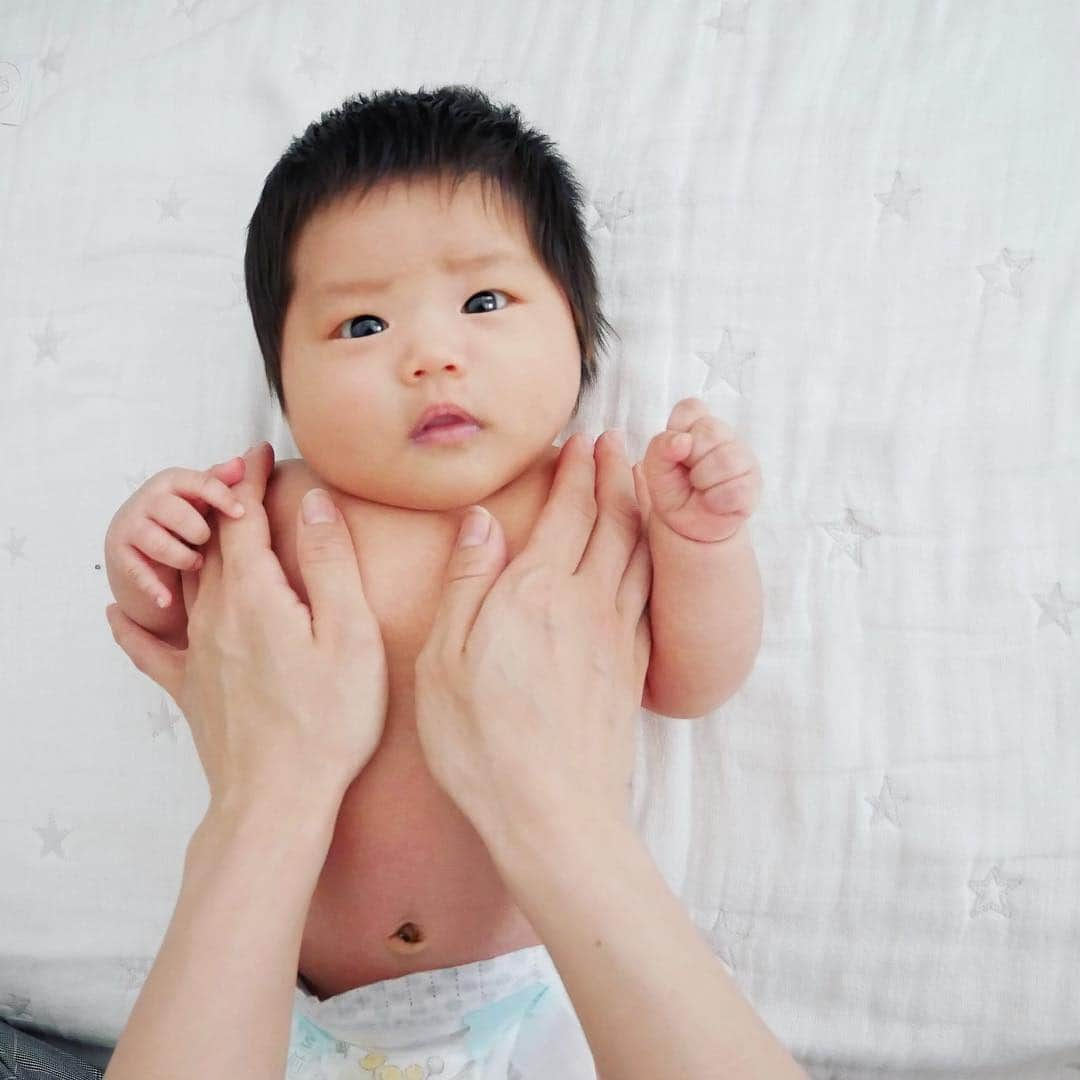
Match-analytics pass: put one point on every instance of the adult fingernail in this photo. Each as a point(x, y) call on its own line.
point(317, 507)
point(475, 528)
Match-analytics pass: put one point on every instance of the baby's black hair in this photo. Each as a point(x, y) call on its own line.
point(452, 132)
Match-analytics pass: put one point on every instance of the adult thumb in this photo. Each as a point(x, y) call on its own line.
point(327, 560)
point(478, 558)
point(162, 662)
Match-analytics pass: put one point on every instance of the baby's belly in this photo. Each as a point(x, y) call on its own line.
point(408, 884)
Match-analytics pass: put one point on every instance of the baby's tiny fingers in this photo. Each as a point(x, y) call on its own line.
point(142, 576)
point(160, 546)
point(211, 491)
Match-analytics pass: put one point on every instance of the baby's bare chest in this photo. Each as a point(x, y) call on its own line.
point(402, 560)
point(397, 583)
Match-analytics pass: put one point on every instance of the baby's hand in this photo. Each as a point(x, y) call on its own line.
point(142, 536)
point(702, 481)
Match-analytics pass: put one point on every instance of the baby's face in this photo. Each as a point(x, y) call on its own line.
point(361, 363)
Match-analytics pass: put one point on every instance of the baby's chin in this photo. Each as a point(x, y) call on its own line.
point(437, 485)
point(450, 496)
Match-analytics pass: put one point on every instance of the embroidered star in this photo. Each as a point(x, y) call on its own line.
point(1055, 609)
point(996, 276)
point(162, 719)
point(170, 207)
point(136, 971)
point(608, 212)
point(725, 363)
point(732, 18)
point(186, 7)
point(990, 894)
point(53, 837)
point(897, 198)
point(51, 61)
point(46, 342)
point(885, 804)
point(14, 547)
point(849, 536)
point(720, 939)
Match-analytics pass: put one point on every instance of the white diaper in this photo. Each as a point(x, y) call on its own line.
point(508, 1017)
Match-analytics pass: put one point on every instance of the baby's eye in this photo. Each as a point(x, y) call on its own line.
point(487, 292)
point(359, 320)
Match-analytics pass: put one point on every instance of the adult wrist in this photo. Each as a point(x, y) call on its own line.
point(290, 818)
point(530, 850)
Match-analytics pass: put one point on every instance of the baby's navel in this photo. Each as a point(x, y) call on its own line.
point(407, 938)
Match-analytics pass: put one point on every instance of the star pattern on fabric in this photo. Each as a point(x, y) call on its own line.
point(53, 837)
point(14, 546)
point(848, 536)
point(47, 341)
point(990, 894)
point(186, 7)
point(1056, 609)
point(609, 212)
point(52, 61)
point(897, 198)
point(162, 719)
point(136, 972)
point(1004, 275)
point(726, 364)
point(170, 207)
point(885, 804)
point(732, 18)
point(726, 927)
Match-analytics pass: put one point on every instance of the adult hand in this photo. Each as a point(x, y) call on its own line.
point(526, 687)
point(276, 694)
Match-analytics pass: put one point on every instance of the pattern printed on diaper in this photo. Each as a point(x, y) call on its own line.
point(316, 1054)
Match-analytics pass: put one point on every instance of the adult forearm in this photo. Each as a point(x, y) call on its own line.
point(645, 985)
point(218, 1000)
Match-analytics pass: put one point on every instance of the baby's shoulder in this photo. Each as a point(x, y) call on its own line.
point(282, 487)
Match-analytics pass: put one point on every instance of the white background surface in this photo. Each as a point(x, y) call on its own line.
point(851, 228)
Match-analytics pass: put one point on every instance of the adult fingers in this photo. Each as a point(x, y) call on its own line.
point(153, 657)
point(327, 560)
point(244, 539)
point(189, 580)
point(470, 573)
point(618, 524)
point(563, 528)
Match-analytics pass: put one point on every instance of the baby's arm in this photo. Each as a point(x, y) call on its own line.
point(705, 615)
point(144, 554)
point(170, 623)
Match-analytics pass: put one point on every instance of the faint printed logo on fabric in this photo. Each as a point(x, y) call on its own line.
point(10, 81)
point(14, 88)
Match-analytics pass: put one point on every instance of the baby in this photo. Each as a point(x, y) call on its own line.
point(427, 310)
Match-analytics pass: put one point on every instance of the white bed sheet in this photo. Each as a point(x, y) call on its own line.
point(851, 228)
